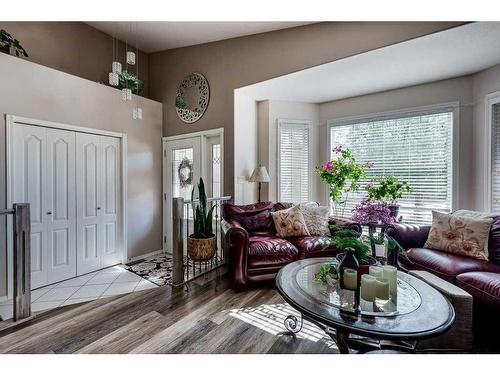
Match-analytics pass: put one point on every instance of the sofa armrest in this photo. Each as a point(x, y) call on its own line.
point(236, 247)
point(409, 235)
point(349, 224)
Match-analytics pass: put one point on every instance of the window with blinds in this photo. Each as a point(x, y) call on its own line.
point(495, 162)
point(294, 164)
point(415, 147)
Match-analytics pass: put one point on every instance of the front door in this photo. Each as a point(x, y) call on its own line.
point(182, 171)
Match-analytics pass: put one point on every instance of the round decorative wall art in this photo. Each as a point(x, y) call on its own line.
point(191, 99)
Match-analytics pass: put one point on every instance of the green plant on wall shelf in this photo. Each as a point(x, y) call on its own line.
point(7, 42)
point(127, 80)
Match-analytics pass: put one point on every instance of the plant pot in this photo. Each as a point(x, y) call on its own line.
point(380, 250)
point(202, 249)
point(364, 267)
point(394, 208)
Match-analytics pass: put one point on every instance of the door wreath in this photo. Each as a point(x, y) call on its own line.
point(185, 173)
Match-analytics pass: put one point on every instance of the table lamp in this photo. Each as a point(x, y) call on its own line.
point(260, 175)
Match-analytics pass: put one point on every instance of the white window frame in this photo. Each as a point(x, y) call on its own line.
point(307, 124)
point(407, 112)
point(490, 100)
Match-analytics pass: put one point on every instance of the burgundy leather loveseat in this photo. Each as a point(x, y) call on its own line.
point(479, 278)
point(255, 252)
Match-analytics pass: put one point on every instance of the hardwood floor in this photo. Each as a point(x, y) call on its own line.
point(204, 319)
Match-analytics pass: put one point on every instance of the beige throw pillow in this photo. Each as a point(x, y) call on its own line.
point(290, 222)
point(467, 236)
point(316, 218)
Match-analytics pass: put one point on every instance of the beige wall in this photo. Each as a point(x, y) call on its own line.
point(72, 47)
point(451, 90)
point(484, 83)
point(238, 62)
point(38, 92)
point(269, 112)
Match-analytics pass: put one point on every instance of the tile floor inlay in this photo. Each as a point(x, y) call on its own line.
point(99, 284)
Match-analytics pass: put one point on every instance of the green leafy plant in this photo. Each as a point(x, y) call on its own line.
point(325, 269)
point(7, 42)
point(127, 80)
point(387, 188)
point(202, 219)
point(342, 175)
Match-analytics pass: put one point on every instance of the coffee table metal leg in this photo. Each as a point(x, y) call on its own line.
point(293, 324)
point(342, 340)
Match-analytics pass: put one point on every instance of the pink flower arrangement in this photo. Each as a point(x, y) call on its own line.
point(373, 212)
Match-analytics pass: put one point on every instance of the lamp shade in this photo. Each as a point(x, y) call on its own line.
point(260, 175)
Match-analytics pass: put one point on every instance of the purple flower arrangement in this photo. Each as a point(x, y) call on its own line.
point(373, 212)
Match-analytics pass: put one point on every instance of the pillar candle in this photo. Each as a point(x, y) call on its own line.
point(350, 279)
point(368, 288)
point(376, 272)
point(391, 274)
point(382, 286)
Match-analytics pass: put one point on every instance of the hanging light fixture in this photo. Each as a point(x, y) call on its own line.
point(116, 68)
point(137, 111)
point(130, 58)
point(126, 94)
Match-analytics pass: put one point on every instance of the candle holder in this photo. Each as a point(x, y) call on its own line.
point(349, 276)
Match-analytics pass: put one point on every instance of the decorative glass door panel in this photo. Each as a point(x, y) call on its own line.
point(183, 171)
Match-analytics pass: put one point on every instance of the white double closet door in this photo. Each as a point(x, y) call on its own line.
point(72, 182)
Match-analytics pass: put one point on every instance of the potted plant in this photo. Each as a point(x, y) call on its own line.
point(376, 212)
point(388, 189)
point(127, 80)
point(342, 175)
point(202, 243)
point(344, 238)
point(7, 42)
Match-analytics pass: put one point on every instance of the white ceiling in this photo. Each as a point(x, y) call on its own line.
point(159, 36)
point(459, 51)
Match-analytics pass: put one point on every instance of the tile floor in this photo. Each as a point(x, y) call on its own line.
point(100, 284)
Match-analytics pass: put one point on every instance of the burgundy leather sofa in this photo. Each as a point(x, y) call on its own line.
point(254, 250)
point(479, 278)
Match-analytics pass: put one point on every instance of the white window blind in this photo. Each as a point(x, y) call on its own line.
point(495, 178)
point(414, 147)
point(294, 167)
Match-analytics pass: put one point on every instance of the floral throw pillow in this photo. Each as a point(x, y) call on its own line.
point(316, 218)
point(460, 235)
point(290, 222)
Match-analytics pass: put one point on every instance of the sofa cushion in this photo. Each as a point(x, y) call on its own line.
point(316, 218)
point(270, 251)
point(255, 218)
point(445, 265)
point(313, 246)
point(290, 222)
point(494, 241)
point(483, 286)
point(462, 235)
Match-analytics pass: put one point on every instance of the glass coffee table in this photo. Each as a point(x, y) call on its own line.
point(420, 312)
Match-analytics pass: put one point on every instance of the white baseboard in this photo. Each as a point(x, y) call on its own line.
point(139, 257)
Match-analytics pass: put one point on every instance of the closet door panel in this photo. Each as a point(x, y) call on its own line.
point(110, 177)
point(88, 190)
point(61, 201)
point(28, 186)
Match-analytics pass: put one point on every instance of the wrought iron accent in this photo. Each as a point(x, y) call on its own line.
point(293, 324)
